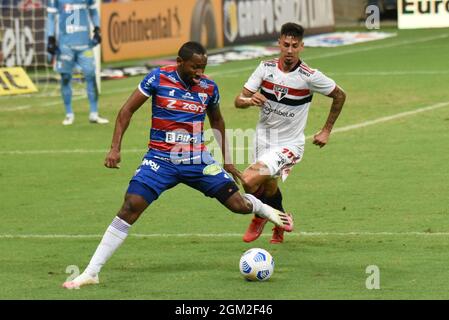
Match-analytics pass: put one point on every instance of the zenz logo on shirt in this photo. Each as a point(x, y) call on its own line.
point(280, 92)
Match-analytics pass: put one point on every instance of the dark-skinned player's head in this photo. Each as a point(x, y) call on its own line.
point(191, 61)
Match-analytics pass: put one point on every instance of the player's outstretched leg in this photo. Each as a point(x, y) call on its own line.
point(275, 200)
point(279, 218)
point(114, 236)
point(257, 224)
point(255, 229)
point(247, 203)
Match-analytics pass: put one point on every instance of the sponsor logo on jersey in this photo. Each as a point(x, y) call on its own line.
point(269, 64)
point(74, 28)
point(172, 93)
point(162, 158)
point(69, 7)
point(175, 137)
point(65, 57)
point(182, 105)
point(172, 79)
point(203, 97)
point(304, 72)
point(187, 95)
point(280, 92)
point(153, 165)
point(268, 110)
point(150, 81)
point(212, 170)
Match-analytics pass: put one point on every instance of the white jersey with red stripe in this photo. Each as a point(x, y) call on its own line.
point(283, 117)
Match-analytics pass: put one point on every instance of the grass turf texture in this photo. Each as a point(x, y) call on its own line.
point(386, 178)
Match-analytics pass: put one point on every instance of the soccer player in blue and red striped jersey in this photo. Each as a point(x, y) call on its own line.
point(182, 96)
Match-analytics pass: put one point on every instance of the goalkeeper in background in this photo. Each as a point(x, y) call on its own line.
point(74, 45)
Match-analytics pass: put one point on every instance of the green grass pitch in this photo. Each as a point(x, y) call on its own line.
point(377, 194)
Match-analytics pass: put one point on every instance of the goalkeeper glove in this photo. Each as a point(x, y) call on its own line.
point(51, 45)
point(97, 36)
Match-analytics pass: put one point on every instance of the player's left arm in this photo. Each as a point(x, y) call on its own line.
point(218, 126)
point(95, 19)
point(338, 96)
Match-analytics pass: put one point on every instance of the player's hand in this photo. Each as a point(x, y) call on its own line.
point(51, 45)
point(321, 138)
point(112, 159)
point(236, 174)
point(258, 99)
point(97, 36)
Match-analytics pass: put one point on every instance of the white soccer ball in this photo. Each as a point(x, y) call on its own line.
point(256, 264)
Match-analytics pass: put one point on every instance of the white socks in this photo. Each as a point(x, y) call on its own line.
point(112, 239)
point(263, 210)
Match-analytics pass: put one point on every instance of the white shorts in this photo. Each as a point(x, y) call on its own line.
point(280, 160)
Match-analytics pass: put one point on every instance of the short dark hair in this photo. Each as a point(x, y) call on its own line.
point(190, 48)
point(292, 29)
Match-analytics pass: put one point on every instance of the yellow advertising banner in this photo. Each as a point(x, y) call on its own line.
point(15, 81)
point(152, 28)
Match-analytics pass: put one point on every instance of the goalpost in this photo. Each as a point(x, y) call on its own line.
point(23, 42)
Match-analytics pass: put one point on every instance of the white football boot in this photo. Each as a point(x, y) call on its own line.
point(82, 280)
point(95, 118)
point(69, 119)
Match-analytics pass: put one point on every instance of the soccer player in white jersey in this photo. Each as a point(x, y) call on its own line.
point(283, 88)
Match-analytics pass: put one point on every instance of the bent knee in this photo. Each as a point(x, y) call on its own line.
point(250, 182)
point(239, 204)
point(66, 78)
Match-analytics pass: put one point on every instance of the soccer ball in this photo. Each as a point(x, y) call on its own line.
point(256, 265)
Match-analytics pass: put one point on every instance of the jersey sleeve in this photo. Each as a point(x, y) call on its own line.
point(52, 6)
point(255, 80)
point(150, 83)
point(215, 98)
point(52, 11)
point(321, 83)
point(94, 15)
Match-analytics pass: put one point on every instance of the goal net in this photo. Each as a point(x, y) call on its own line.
point(23, 41)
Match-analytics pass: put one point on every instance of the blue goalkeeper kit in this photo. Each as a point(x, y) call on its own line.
point(74, 44)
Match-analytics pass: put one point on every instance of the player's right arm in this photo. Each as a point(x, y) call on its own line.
point(134, 102)
point(250, 95)
point(247, 99)
point(146, 88)
point(52, 11)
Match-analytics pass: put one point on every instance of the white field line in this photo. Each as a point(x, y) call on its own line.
point(67, 151)
point(15, 108)
point(389, 118)
point(336, 130)
point(389, 73)
point(224, 235)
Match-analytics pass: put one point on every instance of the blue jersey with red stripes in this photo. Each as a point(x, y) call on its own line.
point(178, 110)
